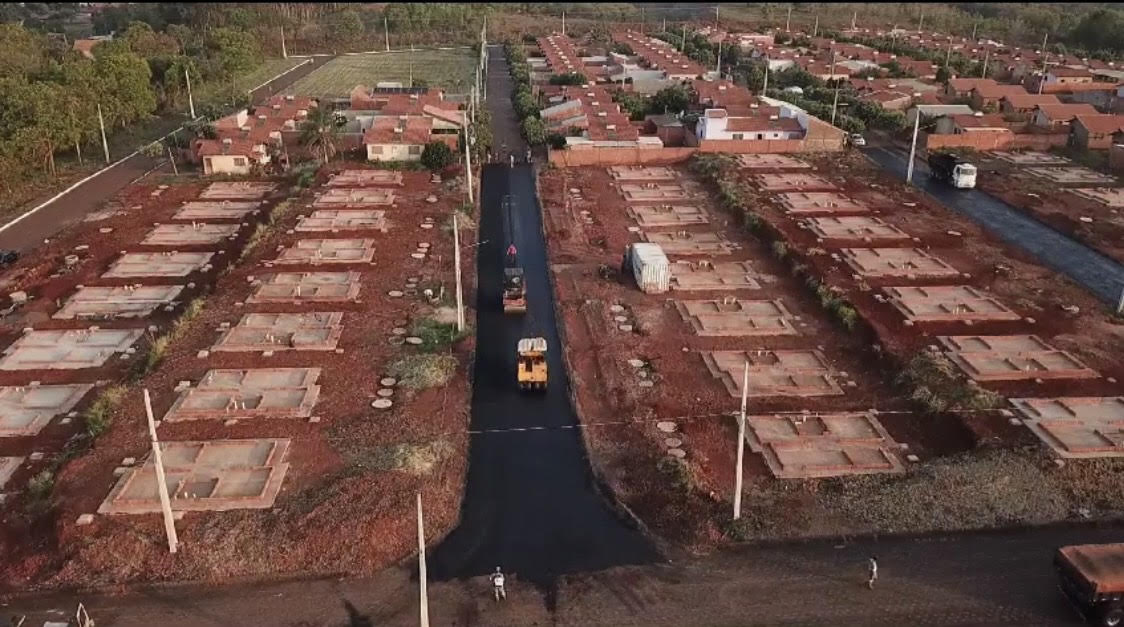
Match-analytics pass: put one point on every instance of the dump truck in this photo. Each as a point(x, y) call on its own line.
point(531, 369)
point(514, 287)
point(952, 169)
point(1092, 577)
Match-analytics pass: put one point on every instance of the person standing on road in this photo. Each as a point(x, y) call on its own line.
point(497, 585)
point(872, 571)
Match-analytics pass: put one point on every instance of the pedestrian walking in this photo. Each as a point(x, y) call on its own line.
point(498, 591)
point(872, 571)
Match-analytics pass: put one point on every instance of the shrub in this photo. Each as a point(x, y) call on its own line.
point(424, 371)
point(40, 486)
point(437, 156)
point(99, 415)
point(556, 141)
point(436, 335)
point(780, 251)
point(571, 78)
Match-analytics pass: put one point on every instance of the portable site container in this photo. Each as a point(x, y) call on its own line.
point(650, 267)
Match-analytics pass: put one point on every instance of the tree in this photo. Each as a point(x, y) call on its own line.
point(236, 51)
point(320, 131)
point(348, 26)
point(571, 78)
point(437, 156)
point(125, 89)
point(943, 75)
point(557, 141)
point(534, 131)
point(671, 100)
point(22, 51)
point(632, 103)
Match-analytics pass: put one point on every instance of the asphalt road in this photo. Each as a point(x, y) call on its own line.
point(530, 505)
point(1095, 272)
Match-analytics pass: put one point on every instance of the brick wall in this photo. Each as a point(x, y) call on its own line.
point(988, 140)
point(619, 156)
point(1116, 158)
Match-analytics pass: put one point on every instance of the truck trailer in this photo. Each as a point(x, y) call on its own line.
point(1092, 577)
point(952, 169)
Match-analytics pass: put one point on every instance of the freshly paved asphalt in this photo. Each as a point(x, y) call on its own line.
point(531, 504)
point(1090, 269)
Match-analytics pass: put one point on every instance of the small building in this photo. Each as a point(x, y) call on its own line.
point(230, 156)
point(930, 111)
point(961, 124)
point(85, 47)
point(401, 138)
point(716, 124)
point(961, 88)
point(1095, 132)
point(668, 128)
point(1024, 104)
point(1100, 95)
point(1116, 154)
point(889, 100)
point(988, 96)
point(1057, 76)
point(1056, 117)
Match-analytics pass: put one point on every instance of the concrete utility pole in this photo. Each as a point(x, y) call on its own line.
point(920, 22)
point(563, 23)
point(104, 143)
point(854, 18)
point(468, 162)
point(716, 15)
point(719, 68)
point(816, 28)
point(987, 55)
point(948, 55)
point(172, 158)
point(765, 87)
point(161, 482)
point(1045, 63)
point(664, 28)
point(913, 148)
point(1120, 305)
point(386, 33)
point(457, 263)
point(683, 47)
point(423, 593)
point(741, 446)
point(284, 52)
point(788, 20)
point(190, 100)
point(974, 25)
point(834, 104)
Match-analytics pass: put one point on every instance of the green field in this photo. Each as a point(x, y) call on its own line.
point(219, 92)
point(451, 70)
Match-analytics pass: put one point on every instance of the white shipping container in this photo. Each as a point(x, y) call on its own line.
point(650, 267)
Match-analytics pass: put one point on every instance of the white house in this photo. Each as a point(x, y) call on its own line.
point(402, 138)
point(717, 124)
point(230, 156)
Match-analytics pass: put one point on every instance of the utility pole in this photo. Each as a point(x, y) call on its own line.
point(974, 25)
point(172, 158)
point(683, 47)
point(987, 55)
point(719, 69)
point(920, 22)
point(664, 28)
point(854, 18)
point(816, 28)
point(948, 55)
point(190, 100)
point(716, 15)
point(741, 446)
point(161, 482)
point(1045, 63)
point(468, 162)
point(834, 104)
point(765, 87)
point(284, 52)
point(104, 143)
point(386, 33)
point(913, 148)
point(1120, 305)
point(788, 20)
point(423, 593)
point(457, 263)
point(563, 23)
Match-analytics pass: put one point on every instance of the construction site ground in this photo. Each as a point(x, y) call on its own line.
point(962, 470)
point(346, 502)
point(1096, 224)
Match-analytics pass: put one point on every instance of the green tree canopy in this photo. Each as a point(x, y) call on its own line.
point(437, 156)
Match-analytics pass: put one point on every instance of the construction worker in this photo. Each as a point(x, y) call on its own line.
point(512, 159)
point(872, 571)
point(528, 155)
point(497, 585)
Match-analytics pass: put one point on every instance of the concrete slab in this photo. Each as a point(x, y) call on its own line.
point(215, 475)
point(1012, 358)
point(365, 178)
point(773, 373)
point(108, 303)
point(1107, 196)
point(327, 251)
point(822, 445)
point(282, 332)
point(167, 264)
point(855, 229)
point(26, 409)
point(224, 190)
point(947, 303)
point(657, 192)
point(357, 197)
point(792, 182)
point(820, 203)
point(306, 287)
point(258, 393)
point(343, 220)
point(771, 162)
point(1066, 177)
point(71, 349)
point(216, 210)
point(642, 173)
point(667, 215)
point(1032, 158)
point(197, 234)
point(711, 275)
point(8, 467)
point(896, 262)
point(733, 317)
point(1076, 427)
point(686, 243)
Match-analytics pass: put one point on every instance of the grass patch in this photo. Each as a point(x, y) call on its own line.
point(436, 336)
point(934, 382)
point(99, 415)
point(158, 345)
point(39, 490)
point(424, 371)
point(263, 229)
point(415, 459)
point(451, 70)
point(677, 473)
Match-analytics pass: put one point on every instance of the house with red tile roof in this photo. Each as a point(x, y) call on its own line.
point(1024, 104)
point(988, 96)
point(1095, 131)
point(962, 124)
point(402, 138)
point(717, 124)
point(1057, 117)
point(890, 100)
point(961, 88)
point(230, 156)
